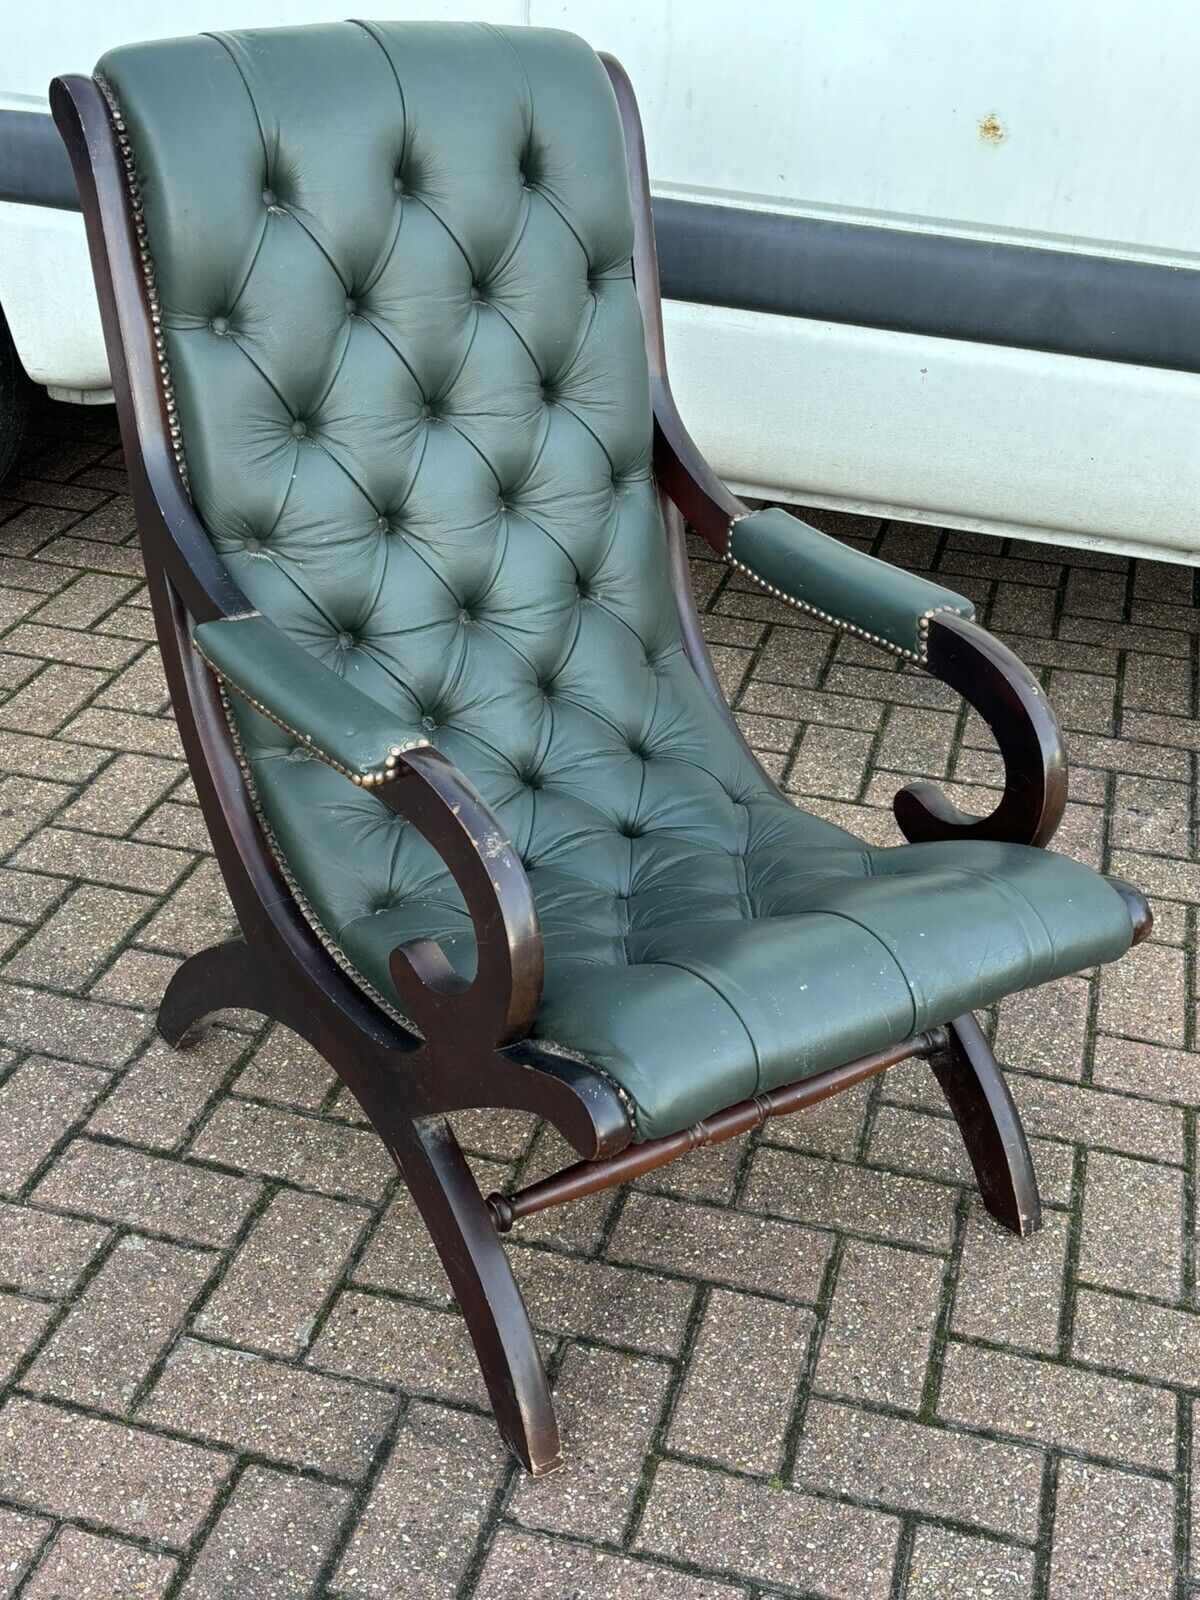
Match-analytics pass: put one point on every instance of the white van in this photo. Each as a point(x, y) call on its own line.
point(931, 261)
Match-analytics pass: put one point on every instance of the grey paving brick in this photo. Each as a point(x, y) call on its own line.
point(198, 914)
point(286, 1413)
point(115, 1332)
point(420, 1350)
point(284, 1271)
point(156, 1104)
point(420, 1525)
point(82, 1030)
point(875, 1344)
point(21, 1537)
point(288, 1071)
point(1009, 1290)
point(121, 862)
point(1046, 1029)
point(1094, 1117)
point(271, 1540)
point(40, 1101)
point(1137, 1068)
point(903, 1465)
point(609, 1407)
point(1137, 1337)
point(320, 1154)
point(88, 1567)
point(523, 1565)
point(69, 947)
point(1132, 1234)
point(1113, 1536)
point(946, 1563)
point(120, 795)
point(751, 1529)
point(43, 1253)
point(188, 1202)
point(722, 1246)
point(21, 1323)
point(1069, 1407)
point(120, 1477)
point(618, 1305)
point(835, 1194)
point(736, 1402)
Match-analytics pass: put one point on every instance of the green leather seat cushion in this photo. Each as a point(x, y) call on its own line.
point(393, 265)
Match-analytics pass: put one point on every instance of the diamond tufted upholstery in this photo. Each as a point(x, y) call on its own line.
point(393, 263)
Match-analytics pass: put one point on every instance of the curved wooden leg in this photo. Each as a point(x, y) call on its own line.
point(983, 1107)
point(448, 1198)
point(221, 978)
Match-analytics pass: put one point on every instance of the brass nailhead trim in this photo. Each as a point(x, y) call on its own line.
point(133, 183)
point(919, 655)
point(365, 780)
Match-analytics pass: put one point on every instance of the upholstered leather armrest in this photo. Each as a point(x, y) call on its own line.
point(291, 687)
point(842, 586)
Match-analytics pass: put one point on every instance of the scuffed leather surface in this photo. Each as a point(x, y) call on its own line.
point(414, 241)
point(845, 584)
point(323, 708)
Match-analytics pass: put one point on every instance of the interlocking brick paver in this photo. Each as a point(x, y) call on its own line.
point(79, 936)
point(271, 1540)
point(724, 1246)
point(875, 1344)
point(21, 1323)
point(419, 1349)
point(156, 1104)
point(1059, 1405)
point(520, 1566)
point(1009, 1290)
point(609, 1407)
point(113, 1334)
point(426, 1509)
point(128, 1479)
point(1132, 1235)
point(1136, 1336)
point(773, 1535)
point(909, 1466)
point(306, 1419)
point(21, 1537)
point(835, 1194)
point(283, 1273)
point(1113, 1536)
point(736, 1402)
point(86, 1566)
point(188, 1202)
point(347, 1162)
point(945, 1563)
point(43, 1253)
point(200, 1237)
point(39, 1101)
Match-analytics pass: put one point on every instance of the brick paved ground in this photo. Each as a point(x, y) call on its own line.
point(805, 1365)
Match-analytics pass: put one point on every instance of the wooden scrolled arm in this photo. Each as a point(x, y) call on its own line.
point(499, 1004)
point(1013, 704)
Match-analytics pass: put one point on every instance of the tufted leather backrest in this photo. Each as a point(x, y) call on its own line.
point(393, 263)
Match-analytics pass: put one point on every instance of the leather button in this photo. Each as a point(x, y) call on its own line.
point(269, 198)
point(464, 617)
point(399, 185)
point(219, 326)
point(345, 641)
point(382, 524)
point(351, 305)
point(429, 724)
point(428, 412)
point(299, 429)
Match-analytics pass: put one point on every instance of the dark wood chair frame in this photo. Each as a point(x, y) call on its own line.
point(470, 1048)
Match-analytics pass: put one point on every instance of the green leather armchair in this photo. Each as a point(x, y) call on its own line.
point(382, 313)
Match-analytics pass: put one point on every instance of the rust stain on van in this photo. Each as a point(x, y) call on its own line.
point(991, 129)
